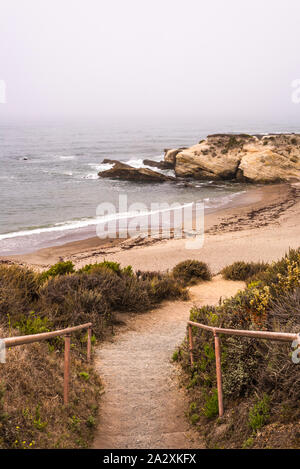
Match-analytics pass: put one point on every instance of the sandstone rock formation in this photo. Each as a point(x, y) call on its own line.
point(170, 156)
point(128, 173)
point(250, 158)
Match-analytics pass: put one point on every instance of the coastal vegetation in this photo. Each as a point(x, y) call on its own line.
point(32, 414)
point(260, 380)
point(241, 270)
point(191, 272)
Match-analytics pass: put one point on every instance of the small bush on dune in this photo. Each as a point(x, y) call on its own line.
point(243, 270)
point(166, 288)
point(93, 268)
point(74, 299)
point(61, 268)
point(113, 266)
point(18, 291)
point(191, 272)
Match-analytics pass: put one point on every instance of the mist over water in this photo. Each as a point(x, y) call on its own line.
point(49, 181)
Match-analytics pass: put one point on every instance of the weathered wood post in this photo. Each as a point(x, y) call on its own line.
point(89, 344)
point(67, 368)
point(191, 345)
point(219, 373)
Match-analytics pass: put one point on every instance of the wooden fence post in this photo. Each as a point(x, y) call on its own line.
point(67, 368)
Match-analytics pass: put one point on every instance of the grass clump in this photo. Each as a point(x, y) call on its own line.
point(211, 407)
point(175, 356)
point(248, 443)
point(191, 272)
point(259, 413)
point(243, 270)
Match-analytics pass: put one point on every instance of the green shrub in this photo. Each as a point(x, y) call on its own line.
point(128, 271)
point(248, 443)
point(32, 324)
point(259, 413)
point(84, 375)
point(61, 268)
point(194, 419)
point(91, 422)
point(94, 268)
point(191, 272)
point(211, 406)
point(243, 270)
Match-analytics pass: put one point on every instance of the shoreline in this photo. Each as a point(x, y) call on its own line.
point(254, 212)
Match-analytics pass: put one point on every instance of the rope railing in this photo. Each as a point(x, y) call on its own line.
point(216, 331)
point(66, 333)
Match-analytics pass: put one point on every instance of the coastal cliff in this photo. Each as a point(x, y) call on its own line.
point(244, 158)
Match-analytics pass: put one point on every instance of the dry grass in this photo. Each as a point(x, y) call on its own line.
point(32, 413)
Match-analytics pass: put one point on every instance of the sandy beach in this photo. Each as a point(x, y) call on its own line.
point(262, 225)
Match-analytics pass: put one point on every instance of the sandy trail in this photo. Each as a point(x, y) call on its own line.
point(143, 406)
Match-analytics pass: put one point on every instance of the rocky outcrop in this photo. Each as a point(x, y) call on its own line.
point(128, 173)
point(170, 156)
point(158, 164)
point(251, 158)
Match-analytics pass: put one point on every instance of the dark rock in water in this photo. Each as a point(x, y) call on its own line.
point(158, 164)
point(25, 158)
point(128, 173)
point(108, 161)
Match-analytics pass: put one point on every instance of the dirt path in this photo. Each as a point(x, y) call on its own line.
point(143, 406)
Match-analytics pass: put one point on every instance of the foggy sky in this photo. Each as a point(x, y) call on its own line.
point(85, 58)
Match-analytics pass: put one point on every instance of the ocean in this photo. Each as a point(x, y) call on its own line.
point(49, 181)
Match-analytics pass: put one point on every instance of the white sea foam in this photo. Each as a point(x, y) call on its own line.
point(91, 176)
point(86, 222)
point(67, 157)
point(83, 223)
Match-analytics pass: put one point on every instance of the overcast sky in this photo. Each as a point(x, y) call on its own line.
point(85, 58)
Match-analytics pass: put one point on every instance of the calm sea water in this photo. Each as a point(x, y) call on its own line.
point(49, 180)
